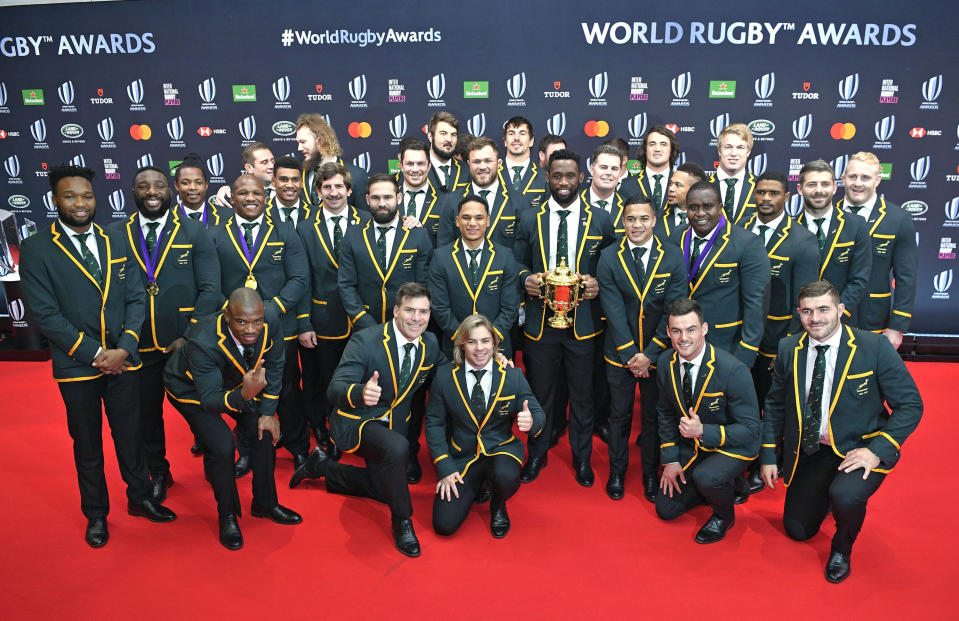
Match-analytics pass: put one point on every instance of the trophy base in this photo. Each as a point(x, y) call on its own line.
point(560, 322)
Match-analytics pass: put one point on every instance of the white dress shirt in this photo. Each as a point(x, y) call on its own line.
point(593, 198)
point(508, 168)
point(486, 383)
point(649, 248)
point(328, 220)
point(294, 215)
point(572, 232)
point(831, 354)
point(773, 225)
point(390, 235)
point(144, 221)
point(436, 164)
point(420, 199)
point(721, 177)
point(697, 364)
point(811, 222)
point(491, 197)
point(90, 241)
point(866, 209)
point(240, 221)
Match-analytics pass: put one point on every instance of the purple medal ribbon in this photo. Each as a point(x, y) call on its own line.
point(150, 260)
point(247, 251)
point(694, 269)
point(202, 213)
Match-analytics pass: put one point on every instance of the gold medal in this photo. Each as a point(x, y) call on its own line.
point(153, 289)
point(250, 282)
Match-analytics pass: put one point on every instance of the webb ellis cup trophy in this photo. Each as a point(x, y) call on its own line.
point(563, 292)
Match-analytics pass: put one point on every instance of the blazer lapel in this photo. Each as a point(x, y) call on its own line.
point(779, 235)
point(847, 350)
point(542, 223)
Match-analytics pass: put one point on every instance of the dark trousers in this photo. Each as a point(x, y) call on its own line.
point(386, 453)
point(545, 358)
point(622, 398)
point(502, 471)
point(417, 412)
point(762, 378)
point(318, 366)
point(601, 396)
point(215, 437)
point(151, 413)
point(709, 480)
point(289, 409)
point(817, 485)
point(118, 394)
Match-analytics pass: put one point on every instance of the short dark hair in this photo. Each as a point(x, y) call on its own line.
point(701, 186)
point(684, 306)
point(382, 177)
point(287, 161)
point(480, 142)
point(778, 177)
point(143, 169)
point(191, 160)
point(694, 169)
point(463, 142)
point(563, 154)
point(550, 139)
point(442, 116)
point(815, 166)
point(518, 121)
point(62, 172)
point(472, 198)
point(412, 290)
point(816, 289)
point(413, 144)
point(673, 145)
point(247, 155)
point(637, 199)
point(607, 149)
point(331, 169)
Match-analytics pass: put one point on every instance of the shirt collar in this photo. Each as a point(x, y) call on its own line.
point(833, 341)
point(162, 220)
point(436, 163)
point(401, 340)
point(394, 222)
point(493, 187)
point(698, 360)
point(774, 224)
point(648, 173)
point(241, 220)
point(648, 245)
point(868, 206)
point(488, 368)
point(71, 232)
point(554, 206)
point(509, 164)
point(327, 214)
point(722, 175)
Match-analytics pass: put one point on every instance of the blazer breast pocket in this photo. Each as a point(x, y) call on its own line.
point(503, 405)
point(859, 385)
point(713, 406)
point(726, 274)
point(181, 256)
point(275, 251)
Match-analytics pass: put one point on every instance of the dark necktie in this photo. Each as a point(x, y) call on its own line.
point(763, 229)
point(446, 174)
point(682, 218)
point(658, 192)
point(411, 202)
point(152, 236)
point(821, 238)
point(477, 397)
point(697, 244)
point(602, 204)
point(638, 253)
point(248, 233)
point(474, 264)
point(728, 205)
point(855, 208)
point(688, 385)
point(88, 259)
point(562, 238)
point(407, 367)
point(813, 418)
point(337, 236)
point(288, 213)
point(484, 194)
point(381, 244)
point(195, 214)
point(517, 176)
point(249, 355)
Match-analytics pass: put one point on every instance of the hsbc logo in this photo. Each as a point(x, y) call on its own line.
point(135, 94)
point(597, 89)
point(117, 201)
point(941, 284)
point(672, 127)
point(681, 85)
point(248, 128)
point(764, 87)
point(931, 89)
point(556, 124)
point(516, 88)
point(884, 129)
point(206, 131)
point(637, 126)
point(357, 89)
point(38, 129)
point(66, 94)
point(363, 161)
point(848, 87)
point(207, 90)
point(281, 92)
point(917, 132)
point(919, 170)
point(477, 124)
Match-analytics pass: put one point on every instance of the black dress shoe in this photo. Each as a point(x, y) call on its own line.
point(650, 487)
point(584, 474)
point(740, 490)
point(151, 510)
point(161, 483)
point(499, 521)
point(837, 569)
point(279, 514)
point(330, 449)
point(413, 471)
point(405, 538)
point(602, 431)
point(615, 487)
point(714, 530)
point(313, 468)
point(755, 482)
point(242, 467)
point(532, 467)
point(97, 534)
point(485, 494)
point(298, 460)
point(196, 450)
point(230, 535)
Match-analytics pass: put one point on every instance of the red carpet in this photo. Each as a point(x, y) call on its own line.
point(572, 552)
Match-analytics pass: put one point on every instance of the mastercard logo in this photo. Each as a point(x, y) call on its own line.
point(360, 130)
point(140, 132)
point(842, 131)
point(596, 129)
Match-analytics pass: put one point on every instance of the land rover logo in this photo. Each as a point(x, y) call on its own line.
point(71, 130)
point(284, 128)
point(761, 127)
point(18, 201)
point(915, 208)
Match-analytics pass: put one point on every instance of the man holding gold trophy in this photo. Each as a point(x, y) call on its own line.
point(564, 238)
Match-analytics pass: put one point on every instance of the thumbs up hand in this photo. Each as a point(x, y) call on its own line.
point(372, 390)
point(524, 419)
point(691, 427)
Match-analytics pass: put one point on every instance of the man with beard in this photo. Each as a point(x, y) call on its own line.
point(504, 205)
point(894, 250)
point(287, 206)
point(674, 220)
point(322, 324)
point(258, 161)
point(233, 364)
point(845, 253)
point(421, 204)
point(181, 275)
point(81, 287)
point(841, 401)
point(371, 390)
point(522, 175)
point(708, 422)
point(446, 172)
point(548, 144)
point(657, 154)
point(191, 184)
point(564, 230)
point(317, 143)
point(733, 181)
point(258, 254)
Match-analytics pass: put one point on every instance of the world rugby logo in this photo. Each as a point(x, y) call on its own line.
point(885, 128)
point(398, 126)
point(598, 85)
point(952, 209)
point(637, 125)
point(932, 88)
point(135, 91)
point(680, 160)
point(248, 128)
point(105, 129)
point(848, 87)
point(145, 160)
point(718, 124)
point(281, 88)
point(436, 87)
point(516, 86)
point(17, 310)
point(765, 85)
point(12, 166)
point(207, 89)
point(66, 93)
point(363, 161)
point(794, 206)
point(802, 126)
point(920, 168)
point(38, 129)
point(357, 87)
point(214, 164)
point(3, 94)
point(79, 160)
point(175, 128)
point(48, 201)
point(477, 124)
point(757, 165)
point(839, 165)
point(556, 124)
point(942, 281)
point(681, 84)
point(117, 201)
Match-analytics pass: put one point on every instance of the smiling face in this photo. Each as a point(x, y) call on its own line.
point(817, 189)
point(703, 211)
point(639, 220)
point(415, 166)
point(478, 349)
point(334, 193)
point(564, 180)
point(287, 182)
point(246, 323)
point(861, 180)
point(191, 186)
point(472, 221)
point(820, 316)
point(606, 172)
point(484, 164)
point(518, 142)
point(151, 194)
point(733, 152)
point(262, 165)
point(75, 202)
point(412, 314)
point(679, 184)
point(248, 197)
point(657, 151)
point(687, 334)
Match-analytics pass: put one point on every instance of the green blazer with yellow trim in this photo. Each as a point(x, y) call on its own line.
point(629, 186)
point(75, 312)
point(374, 349)
point(894, 250)
point(503, 216)
point(455, 298)
point(279, 267)
point(725, 401)
point(870, 380)
point(666, 227)
point(531, 252)
point(208, 370)
point(215, 214)
point(793, 262)
point(848, 259)
point(433, 210)
point(647, 185)
point(458, 177)
point(458, 435)
point(187, 274)
point(307, 211)
point(635, 307)
point(358, 178)
point(745, 206)
point(321, 310)
point(615, 210)
point(533, 188)
point(732, 286)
